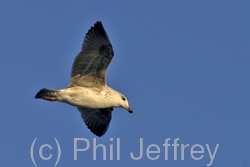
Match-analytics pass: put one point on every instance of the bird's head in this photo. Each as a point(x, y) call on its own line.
point(124, 103)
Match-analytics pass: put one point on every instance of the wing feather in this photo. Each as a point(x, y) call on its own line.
point(97, 120)
point(90, 65)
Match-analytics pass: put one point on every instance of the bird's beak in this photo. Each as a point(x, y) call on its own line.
point(129, 110)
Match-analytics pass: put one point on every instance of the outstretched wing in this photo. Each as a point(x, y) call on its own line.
point(97, 120)
point(90, 65)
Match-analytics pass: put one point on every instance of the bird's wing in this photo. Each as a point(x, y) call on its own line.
point(90, 65)
point(97, 120)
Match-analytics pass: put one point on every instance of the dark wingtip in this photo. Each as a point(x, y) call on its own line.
point(98, 22)
point(96, 132)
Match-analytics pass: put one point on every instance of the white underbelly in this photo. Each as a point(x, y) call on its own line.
point(86, 97)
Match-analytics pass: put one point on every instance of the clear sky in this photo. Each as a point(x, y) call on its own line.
point(183, 65)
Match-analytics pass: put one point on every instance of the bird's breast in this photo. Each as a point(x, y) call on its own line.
point(87, 97)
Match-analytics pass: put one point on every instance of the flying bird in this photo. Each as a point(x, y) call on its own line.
point(88, 90)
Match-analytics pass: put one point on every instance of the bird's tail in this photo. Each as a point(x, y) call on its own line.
point(46, 94)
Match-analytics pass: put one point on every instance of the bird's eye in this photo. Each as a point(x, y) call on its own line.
point(123, 98)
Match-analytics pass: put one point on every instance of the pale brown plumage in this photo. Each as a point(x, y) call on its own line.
point(87, 89)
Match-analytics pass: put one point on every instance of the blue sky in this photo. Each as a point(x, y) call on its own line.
point(183, 65)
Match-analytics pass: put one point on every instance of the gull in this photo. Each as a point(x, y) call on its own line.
point(88, 90)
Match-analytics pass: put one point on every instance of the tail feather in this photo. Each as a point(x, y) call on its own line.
point(46, 94)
